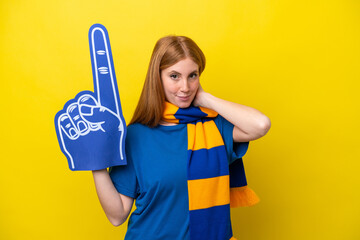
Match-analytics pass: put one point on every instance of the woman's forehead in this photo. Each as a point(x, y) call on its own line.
point(184, 65)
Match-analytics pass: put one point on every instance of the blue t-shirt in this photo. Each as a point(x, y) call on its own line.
point(156, 176)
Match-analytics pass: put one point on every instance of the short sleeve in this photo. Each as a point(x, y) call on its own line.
point(234, 150)
point(124, 177)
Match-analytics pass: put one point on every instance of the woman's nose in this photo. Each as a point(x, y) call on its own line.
point(184, 85)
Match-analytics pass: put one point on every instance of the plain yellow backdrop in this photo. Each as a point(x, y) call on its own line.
point(296, 61)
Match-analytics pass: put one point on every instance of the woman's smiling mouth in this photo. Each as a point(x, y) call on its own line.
point(184, 98)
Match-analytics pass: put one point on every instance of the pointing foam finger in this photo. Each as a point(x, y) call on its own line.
point(105, 86)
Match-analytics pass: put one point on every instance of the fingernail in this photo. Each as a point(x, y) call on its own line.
point(72, 133)
point(87, 100)
point(81, 126)
point(86, 110)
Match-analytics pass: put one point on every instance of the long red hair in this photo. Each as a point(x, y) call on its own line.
point(167, 51)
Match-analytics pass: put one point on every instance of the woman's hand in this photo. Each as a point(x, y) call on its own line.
point(200, 97)
point(249, 123)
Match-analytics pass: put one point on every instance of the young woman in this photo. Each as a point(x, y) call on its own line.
point(179, 145)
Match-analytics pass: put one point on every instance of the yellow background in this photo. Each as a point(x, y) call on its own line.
point(296, 61)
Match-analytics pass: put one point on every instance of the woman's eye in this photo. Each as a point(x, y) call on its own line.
point(174, 76)
point(194, 75)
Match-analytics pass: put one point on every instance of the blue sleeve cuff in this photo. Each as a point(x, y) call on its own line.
point(124, 180)
point(124, 191)
point(240, 148)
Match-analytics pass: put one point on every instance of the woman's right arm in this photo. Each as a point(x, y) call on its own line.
point(116, 206)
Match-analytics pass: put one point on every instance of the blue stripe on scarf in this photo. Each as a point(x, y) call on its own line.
point(215, 227)
point(190, 114)
point(237, 174)
point(205, 163)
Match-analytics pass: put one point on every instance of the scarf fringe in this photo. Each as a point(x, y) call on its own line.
point(243, 197)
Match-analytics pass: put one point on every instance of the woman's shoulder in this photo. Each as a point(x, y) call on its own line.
point(136, 127)
point(137, 130)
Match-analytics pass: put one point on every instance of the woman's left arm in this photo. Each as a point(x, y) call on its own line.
point(249, 123)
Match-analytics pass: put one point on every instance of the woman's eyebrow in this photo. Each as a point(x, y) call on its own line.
point(173, 71)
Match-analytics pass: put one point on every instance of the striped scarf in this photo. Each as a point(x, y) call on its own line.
point(208, 174)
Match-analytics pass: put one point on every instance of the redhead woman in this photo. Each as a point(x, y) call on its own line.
point(179, 145)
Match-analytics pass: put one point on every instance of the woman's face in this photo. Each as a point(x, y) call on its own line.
point(181, 82)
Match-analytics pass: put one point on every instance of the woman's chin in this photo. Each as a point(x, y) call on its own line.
point(183, 104)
